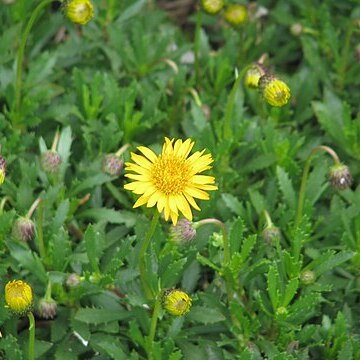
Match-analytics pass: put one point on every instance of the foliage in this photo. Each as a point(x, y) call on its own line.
point(133, 75)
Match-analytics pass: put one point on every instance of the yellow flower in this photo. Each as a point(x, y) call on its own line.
point(212, 6)
point(176, 302)
point(170, 180)
point(236, 14)
point(2, 169)
point(79, 11)
point(253, 76)
point(275, 91)
point(18, 296)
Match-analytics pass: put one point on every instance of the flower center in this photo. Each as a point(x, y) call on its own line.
point(170, 174)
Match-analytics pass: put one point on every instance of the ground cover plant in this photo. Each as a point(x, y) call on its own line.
point(179, 179)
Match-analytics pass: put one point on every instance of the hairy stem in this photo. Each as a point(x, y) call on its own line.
point(300, 205)
point(31, 335)
point(142, 253)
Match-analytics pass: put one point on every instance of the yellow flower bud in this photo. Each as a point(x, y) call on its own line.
point(79, 11)
point(2, 169)
point(236, 14)
point(212, 6)
point(253, 76)
point(18, 296)
point(275, 91)
point(176, 302)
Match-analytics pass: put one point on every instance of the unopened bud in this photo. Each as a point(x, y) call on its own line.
point(270, 233)
point(253, 76)
point(79, 11)
point(50, 161)
point(73, 280)
point(236, 14)
point(296, 29)
point(23, 229)
point(183, 232)
point(212, 6)
point(176, 302)
point(274, 91)
point(340, 177)
point(47, 309)
point(307, 277)
point(112, 165)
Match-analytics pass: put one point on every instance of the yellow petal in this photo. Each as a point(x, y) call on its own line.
point(192, 202)
point(141, 201)
point(202, 179)
point(183, 206)
point(148, 153)
point(139, 177)
point(196, 193)
point(174, 217)
point(141, 160)
point(161, 202)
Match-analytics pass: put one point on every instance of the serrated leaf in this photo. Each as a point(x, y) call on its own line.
point(170, 277)
point(108, 345)
point(346, 352)
point(90, 182)
point(303, 308)
point(286, 187)
point(290, 291)
point(273, 286)
point(60, 215)
point(92, 244)
point(206, 262)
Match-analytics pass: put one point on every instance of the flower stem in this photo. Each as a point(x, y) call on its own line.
point(39, 233)
point(31, 335)
point(154, 319)
point(122, 150)
point(32, 208)
point(227, 132)
point(226, 261)
point(55, 141)
point(143, 249)
point(20, 54)
point(305, 175)
point(197, 45)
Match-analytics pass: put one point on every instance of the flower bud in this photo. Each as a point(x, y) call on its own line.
point(47, 309)
point(307, 277)
point(79, 11)
point(340, 177)
point(212, 6)
point(183, 232)
point(270, 233)
point(274, 91)
point(236, 14)
point(18, 296)
point(253, 76)
point(296, 29)
point(50, 161)
point(23, 229)
point(112, 165)
point(73, 280)
point(2, 169)
point(176, 302)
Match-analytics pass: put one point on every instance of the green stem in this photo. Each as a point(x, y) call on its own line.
point(269, 222)
point(2, 203)
point(227, 132)
point(143, 249)
point(345, 56)
point(154, 319)
point(305, 175)
point(21, 50)
point(48, 291)
point(227, 256)
point(197, 45)
point(39, 232)
point(31, 335)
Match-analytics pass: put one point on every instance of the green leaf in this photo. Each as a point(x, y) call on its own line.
point(206, 262)
point(92, 244)
point(273, 286)
point(346, 352)
point(286, 187)
point(108, 345)
point(204, 315)
point(111, 216)
point(290, 291)
point(101, 316)
point(90, 182)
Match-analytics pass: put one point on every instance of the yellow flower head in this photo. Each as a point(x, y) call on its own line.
point(176, 302)
point(253, 76)
point(236, 14)
point(170, 180)
point(18, 296)
point(79, 11)
point(275, 91)
point(212, 6)
point(2, 169)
